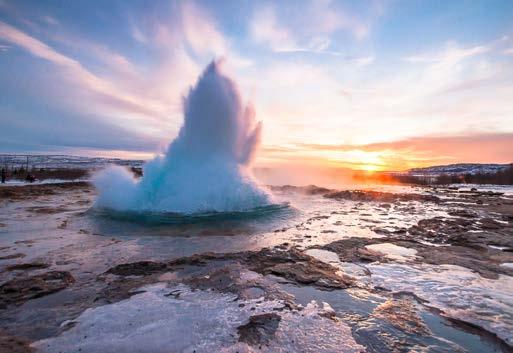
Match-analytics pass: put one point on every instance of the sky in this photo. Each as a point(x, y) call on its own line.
point(367, 85)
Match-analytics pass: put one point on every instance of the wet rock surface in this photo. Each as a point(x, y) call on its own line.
point(13, 344)
point(353, 250)
point(17, 193)
point(141, 268)
point(27, 266)
point(486, 261)
point(297, 267)
point(12, 256)
point(377, 196)
point(260, 329)
point(217, 271)
point(443, 229)
point(309, 189)
point(462, 230)
point(402, 313)
point(22, 289)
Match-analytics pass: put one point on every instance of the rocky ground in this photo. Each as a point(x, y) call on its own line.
point(352, 271)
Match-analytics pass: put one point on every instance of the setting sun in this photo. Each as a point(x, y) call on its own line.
point(370, 168)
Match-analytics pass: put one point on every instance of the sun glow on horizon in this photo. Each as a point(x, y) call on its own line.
point(370, 168)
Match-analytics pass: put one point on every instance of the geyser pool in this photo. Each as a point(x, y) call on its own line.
point(206, 168)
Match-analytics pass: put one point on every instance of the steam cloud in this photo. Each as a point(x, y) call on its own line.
point(206, 168)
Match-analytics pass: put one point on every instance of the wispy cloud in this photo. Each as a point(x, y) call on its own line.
point(364, 61)
point(311, 29)
point(78, 74)
point(200, 31)
point(138, 35)
point(121, 85)
point(103, 82)
point(50, 20)
point(451, 53)
point(416, 151)
point(34, 46)
point(265, 30)
point(431, 97)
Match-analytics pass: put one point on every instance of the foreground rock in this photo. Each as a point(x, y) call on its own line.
point(12, 344)
point(22, 289)
point(376, 309)
point(27, 266)
point(484, 260)
point(25, 192)
point(297, 267)
point(378, 196)
point(260, 329)
point(290, 264)
point(401, 313)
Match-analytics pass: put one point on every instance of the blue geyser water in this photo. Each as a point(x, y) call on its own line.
point(206, 168)
point(273, 213)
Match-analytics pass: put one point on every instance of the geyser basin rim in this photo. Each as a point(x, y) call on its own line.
point(188, 218)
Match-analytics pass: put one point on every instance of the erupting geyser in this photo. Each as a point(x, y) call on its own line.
point(206, 168)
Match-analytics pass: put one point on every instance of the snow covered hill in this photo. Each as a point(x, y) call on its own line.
point(459, 169)
point(63, 161)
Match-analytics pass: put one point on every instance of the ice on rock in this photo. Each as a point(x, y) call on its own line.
point(457, 291)
point(392, 251)
point(197, 321)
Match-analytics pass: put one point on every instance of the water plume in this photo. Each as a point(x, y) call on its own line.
point(206, 168)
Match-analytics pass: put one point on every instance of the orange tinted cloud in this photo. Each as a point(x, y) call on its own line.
point(403, 154)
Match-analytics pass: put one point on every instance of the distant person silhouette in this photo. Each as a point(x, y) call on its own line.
point(3, 176)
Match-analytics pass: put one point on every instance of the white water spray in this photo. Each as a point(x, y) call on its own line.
point(206, 168)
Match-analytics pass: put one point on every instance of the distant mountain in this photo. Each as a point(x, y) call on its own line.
point(48, 161)
point(459, 169)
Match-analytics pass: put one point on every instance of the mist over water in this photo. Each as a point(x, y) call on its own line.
point(206, 168)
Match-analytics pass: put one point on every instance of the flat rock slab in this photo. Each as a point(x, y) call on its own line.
point(260, 329)
point(22, 289)
point(11, 344)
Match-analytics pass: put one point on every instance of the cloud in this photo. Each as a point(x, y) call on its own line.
point(364, 61)
point(200, 31)
point(50, 20)
point(456, 87)
point(138, 35)
point(468, 89)
point(80, 76)
point(451, 53)
point(28, 132)
point(111, 60)
point(34, 46)
point(307, 28)
point(326, 16)
point(265, 29)
point(429, 150)
point(508, 51)
point(99, 81)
